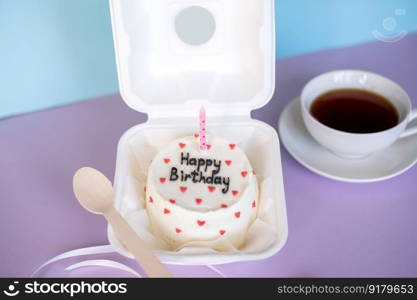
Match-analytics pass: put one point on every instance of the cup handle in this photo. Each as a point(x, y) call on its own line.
point(410, 130)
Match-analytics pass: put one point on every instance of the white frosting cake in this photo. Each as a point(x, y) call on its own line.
point(193, 196)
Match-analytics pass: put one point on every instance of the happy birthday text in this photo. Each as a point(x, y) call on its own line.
point(206, 171)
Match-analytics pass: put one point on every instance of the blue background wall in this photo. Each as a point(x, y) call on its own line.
point(55, 52)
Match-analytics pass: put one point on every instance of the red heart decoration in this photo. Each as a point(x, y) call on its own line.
point(198, 201)
point(162, 179)
point(208, 146)
point(150, 199)
point(237, 214)
point(201, 223)
point(222, 232)
point(254, 204)
point(232, 146)
point(228, 162)
point(224, 206)
point(166, 160)
point(196, 135)
point(166, 211)
point(254, 173)
point(182, 145)
point(183, 189)
point(177, 230)
point(244, 173)
point(172, 201)
point(211, 189)
point(144, 188)
point(234, 193)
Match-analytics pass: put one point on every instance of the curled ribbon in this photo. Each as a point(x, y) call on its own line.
point(95, 250)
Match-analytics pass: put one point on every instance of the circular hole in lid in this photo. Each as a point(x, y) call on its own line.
point(195, 25)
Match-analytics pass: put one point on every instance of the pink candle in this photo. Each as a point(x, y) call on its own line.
point(203, 140)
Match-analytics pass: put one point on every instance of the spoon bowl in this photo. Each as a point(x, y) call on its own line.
point(93, 190)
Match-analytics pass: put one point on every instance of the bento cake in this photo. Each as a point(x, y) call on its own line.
point(195, 196)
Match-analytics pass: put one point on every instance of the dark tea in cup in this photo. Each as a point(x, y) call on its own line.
point(354, 111)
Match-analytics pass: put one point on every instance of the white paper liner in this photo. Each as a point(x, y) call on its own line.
point(138, 147)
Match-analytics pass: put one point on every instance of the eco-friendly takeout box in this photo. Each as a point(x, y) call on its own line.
point(174, 56)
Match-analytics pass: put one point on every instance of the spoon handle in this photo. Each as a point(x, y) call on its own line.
point(143, 255)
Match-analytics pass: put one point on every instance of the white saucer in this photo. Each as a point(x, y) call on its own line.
point(382, 165)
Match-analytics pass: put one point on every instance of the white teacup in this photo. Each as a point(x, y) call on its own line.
point(354, 145)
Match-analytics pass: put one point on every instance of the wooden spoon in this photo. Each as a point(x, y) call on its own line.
point(95, 193)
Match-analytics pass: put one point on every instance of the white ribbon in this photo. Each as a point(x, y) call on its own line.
point(104, 249)
point(74, 253)
point(215, 270)
point(104, 263)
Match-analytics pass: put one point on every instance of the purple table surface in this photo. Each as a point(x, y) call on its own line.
point(335, 228)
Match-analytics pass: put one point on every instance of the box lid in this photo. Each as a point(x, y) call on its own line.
point(175, 55)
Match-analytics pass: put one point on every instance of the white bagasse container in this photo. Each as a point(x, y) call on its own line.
point(231, 74)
